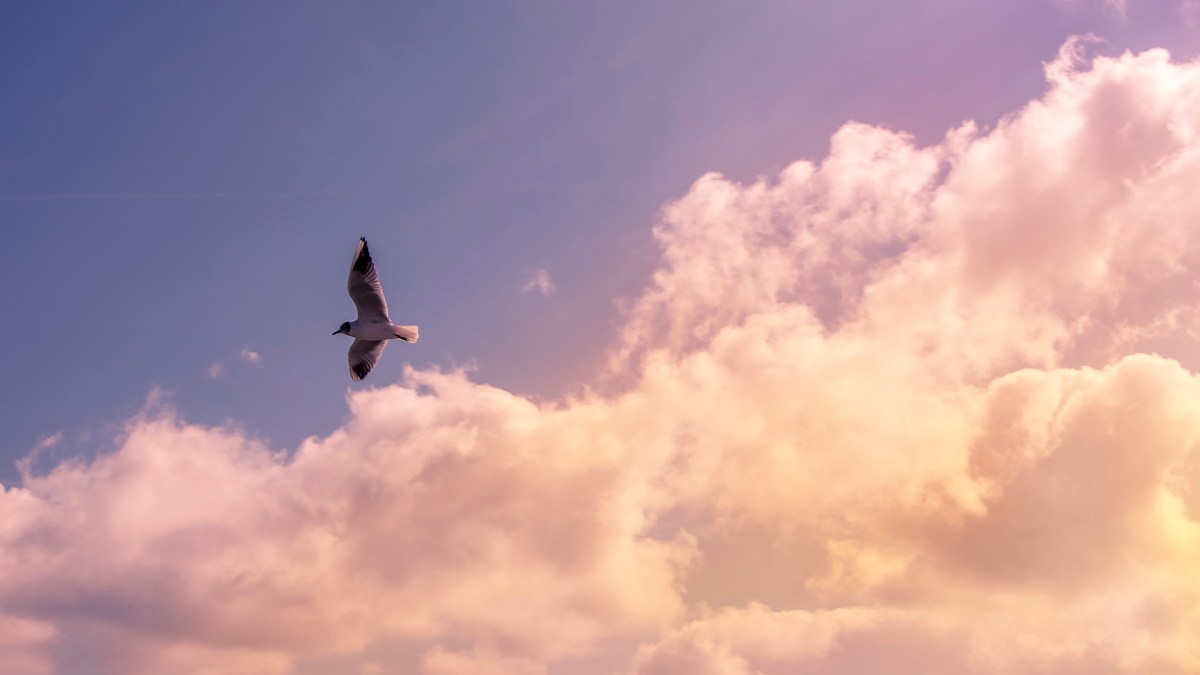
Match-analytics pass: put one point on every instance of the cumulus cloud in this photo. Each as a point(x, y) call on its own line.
point(928, 408)
point(250, 356)
point(462, 517)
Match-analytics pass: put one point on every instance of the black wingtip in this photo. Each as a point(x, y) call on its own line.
point(363, 260)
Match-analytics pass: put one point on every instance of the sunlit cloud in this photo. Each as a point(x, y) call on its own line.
point(250, 356)
point(920, 408)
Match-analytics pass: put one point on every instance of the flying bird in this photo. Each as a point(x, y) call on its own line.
point(373, 328)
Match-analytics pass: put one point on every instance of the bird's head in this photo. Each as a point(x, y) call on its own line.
point(344, 328)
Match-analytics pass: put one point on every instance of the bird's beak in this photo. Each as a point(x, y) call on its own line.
point(336, 331)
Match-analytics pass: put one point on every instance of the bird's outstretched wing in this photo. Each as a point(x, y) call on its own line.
point(364, 287)
point(364, 354)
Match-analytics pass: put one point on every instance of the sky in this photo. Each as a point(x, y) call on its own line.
point(755, 338)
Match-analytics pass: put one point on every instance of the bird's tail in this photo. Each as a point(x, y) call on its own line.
point(406, 333)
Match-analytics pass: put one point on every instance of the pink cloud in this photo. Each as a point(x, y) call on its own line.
point(539, 281)
point(218, 369)
point(22, 645)
point(927, 408)
point(438, 661)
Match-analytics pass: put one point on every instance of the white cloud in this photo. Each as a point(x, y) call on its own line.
point(250, 356)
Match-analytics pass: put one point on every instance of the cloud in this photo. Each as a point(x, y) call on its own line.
point(540, 282)
point(22, 646)
point(456, 518)
point(1114, 9)
point(922, 407)
point(218, 369)
point(438, 661)
point(43, 450)
point(1076, 559)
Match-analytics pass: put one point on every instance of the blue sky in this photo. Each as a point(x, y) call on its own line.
point(179, 183)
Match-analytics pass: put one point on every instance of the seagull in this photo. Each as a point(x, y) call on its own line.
point(373, 328)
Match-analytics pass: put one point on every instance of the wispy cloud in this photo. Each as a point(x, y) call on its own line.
point(217, 370)
point(1191, 12)
point(539, 281)
point(918, 406)
point(44, 446)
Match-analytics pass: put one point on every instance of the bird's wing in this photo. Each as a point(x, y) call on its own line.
point(364, 354)
point(364, 287)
